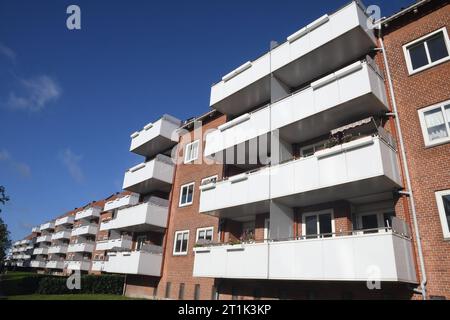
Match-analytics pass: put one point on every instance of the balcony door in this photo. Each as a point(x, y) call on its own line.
point(374, 222)
point(140, 241)
point(318, 224)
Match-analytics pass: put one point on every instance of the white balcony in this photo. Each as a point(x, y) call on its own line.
point(81, 247)
point(354, 92)
point(44, 238)
point(67, 220)
point(153, 175)
point(135, 262)
point(124, 201)
point(123, 243)
point(61, 249)
point(47, 226)
point(386, 255)
point(337, 173)
point(98, 266)
point(78, 265)
point(23, 256)
point(90, 229)
point(151, 215)
point(43, 251)
point(65, 234)
point(55, 265)
point(88, 213)
point(37, 264)
point(36, 229)
point(337, 39)
point(25, 241)
point(156, 137)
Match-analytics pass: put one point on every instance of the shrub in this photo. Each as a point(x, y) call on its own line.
point(21, 285)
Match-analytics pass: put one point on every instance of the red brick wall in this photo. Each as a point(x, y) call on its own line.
point(178, 269)
point(429, 167)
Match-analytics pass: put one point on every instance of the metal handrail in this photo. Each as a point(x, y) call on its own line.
point(329, 235)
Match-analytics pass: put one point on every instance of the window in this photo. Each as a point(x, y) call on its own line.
point(435, 123)
point(427, 51)
point(180, 246)
point(310, 150)
point(205, 234)
point(167, 293)
point(197, 292)
point(187, 194)
point(140, 241)
point(443, 203)
point(191, 151)
point(318, 223)
point(181, 292)
point(373, 222)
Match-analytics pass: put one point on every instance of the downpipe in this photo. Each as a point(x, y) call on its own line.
point(409, 192)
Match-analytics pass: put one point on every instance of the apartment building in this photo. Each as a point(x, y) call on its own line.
point(19, 255)
point(417, 49)
point(295, 184)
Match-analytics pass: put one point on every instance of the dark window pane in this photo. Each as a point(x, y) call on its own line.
point(167, 293)
point(311, 225)
point(446, 201)
point(325, 224)
point(190, 192)
point(197, 292)
point(437, 48)
point(370, 222)
point(181, 292)
point(418, 56)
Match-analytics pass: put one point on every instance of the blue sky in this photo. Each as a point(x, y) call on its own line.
point(69, 100)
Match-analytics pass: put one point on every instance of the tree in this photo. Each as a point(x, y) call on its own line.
point(5, 242)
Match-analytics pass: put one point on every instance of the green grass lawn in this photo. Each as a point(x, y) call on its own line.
point(69, 297)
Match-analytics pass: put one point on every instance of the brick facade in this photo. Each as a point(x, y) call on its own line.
point(429, 166)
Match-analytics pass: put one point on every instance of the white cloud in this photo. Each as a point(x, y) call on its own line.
point(35, 94)
point(72, 163)
point(7, 52)
point(21, 168)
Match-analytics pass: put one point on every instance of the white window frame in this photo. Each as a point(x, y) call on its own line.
point(204, 229)
point(188, 148)
point(314, 145)
point(181, 253)
point(442, 216)
point(318, 213)
point(412, 71)
point(181, 194)
point(423, 125)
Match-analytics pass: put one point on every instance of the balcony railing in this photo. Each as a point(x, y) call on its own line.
point(337, 39)
point(134, 262)
point(156, 137)
point(81, 247)
point(36, 229)
point(65, 234)
point(151, 214)
point(55, 264)
point(336, 173)
point(42, 251)
point(67, 220)
point(83, 265)
point(61, 249)
point(44, 238)
point(91, 212)
point(37, 264)
point(153, 175)
point(125, 201)
point(85, 230)
point(354, 257)
point(47, 226)
point(354, 92)
point(122, 243)
point(98, 265)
